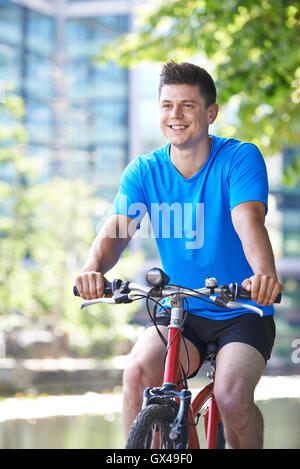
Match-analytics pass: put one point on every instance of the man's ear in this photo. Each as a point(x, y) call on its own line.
point(212, 113)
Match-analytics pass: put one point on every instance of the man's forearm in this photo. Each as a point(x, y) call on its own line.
point(109, 244)
point(248, 220)
point(258, 249)
point(104, 254)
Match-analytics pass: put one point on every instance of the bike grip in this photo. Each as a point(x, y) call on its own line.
point(244, 294)
point(75, 291)
point(107, 289)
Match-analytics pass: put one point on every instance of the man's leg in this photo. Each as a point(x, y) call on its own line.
point(146, 369)
point(239, 368)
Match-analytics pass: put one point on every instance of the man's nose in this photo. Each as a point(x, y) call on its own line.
point(176, 111)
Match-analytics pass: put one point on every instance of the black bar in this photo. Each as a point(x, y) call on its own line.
point(246, 295)
point(107, 289)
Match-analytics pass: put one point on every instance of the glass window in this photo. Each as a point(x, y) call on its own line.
point(40, 33)
point(291, 245)
point(39, 76)
point(45, 155)
point(95, 127)
point(86, 80)
point(39, 121)
point(291, 220)
point(10, 23)
point(10, 59)
point(150, 135)
point(85, 36)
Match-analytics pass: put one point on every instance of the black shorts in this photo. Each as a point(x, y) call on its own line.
point(248, 328)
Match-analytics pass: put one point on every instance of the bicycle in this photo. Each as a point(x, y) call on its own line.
point(169, 416)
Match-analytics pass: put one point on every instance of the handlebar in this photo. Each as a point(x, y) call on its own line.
point(107, 289)
point(126, 292)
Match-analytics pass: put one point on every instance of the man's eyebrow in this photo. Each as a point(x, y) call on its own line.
point(182, 101)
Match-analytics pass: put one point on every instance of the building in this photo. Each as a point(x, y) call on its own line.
point(79, 116)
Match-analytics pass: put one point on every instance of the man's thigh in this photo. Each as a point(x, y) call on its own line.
point(149, 346)
point(239, 367)
point(150, 351)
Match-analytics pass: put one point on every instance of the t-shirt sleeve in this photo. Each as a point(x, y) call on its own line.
point(130, 199)
point(248, 179)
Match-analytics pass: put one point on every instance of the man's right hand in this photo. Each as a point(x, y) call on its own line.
point(104, 254)
point(90, 285)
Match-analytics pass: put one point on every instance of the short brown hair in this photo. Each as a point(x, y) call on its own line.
point(186, 73)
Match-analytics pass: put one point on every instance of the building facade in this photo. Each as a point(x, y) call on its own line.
point(77, 114)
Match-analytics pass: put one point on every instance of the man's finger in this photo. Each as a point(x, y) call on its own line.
point(255, 285)
point(247, 284)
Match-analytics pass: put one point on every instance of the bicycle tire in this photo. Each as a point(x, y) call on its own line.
point(151, 428)
point(221, 442)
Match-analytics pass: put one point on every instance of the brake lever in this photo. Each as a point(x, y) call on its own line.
point(226, 301)
point(87, 303)
point(234, 304)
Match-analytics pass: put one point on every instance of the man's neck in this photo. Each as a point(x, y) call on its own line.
point(190, 159)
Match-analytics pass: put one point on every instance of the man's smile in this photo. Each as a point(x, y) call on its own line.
point(177, 127)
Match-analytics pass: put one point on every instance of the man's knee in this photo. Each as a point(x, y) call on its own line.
point(134, 375)
point(239, 368)
point(145, 365)
point(143, 370)
point(138, 375)
point(235, 404)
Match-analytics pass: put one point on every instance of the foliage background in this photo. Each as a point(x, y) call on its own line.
point(253, 51)
point(46, 230)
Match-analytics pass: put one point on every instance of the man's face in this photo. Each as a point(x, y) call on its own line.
point(184, 119)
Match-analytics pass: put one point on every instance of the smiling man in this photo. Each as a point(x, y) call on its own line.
point(184, 120)
point(225, 181)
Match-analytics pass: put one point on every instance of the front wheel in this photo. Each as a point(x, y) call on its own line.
point(221, 442)
point(151, 428)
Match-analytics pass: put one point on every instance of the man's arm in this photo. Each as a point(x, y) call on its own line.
point(248, 219)
point(104, 254)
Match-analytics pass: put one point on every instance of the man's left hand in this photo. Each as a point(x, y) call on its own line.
point(264, 288)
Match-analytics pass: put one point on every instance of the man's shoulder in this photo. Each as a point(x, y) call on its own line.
point(147, 161)
point(234, 145)
point(230, 151)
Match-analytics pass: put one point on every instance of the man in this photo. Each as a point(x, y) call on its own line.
point(219, 188)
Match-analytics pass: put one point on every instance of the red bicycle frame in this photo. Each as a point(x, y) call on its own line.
point(172, 375)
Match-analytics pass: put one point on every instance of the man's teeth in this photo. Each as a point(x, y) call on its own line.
point(177, 127)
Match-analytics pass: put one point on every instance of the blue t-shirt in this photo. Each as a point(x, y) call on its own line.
point(191, 218)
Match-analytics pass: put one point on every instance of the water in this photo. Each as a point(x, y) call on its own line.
point(61, 432)
point(282, 423)
point(282, 429)
point(93, 421)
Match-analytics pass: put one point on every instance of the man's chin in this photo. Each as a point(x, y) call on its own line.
point(180, 145)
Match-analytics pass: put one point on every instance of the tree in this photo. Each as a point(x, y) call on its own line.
point(254, 49)
point(46, 229)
